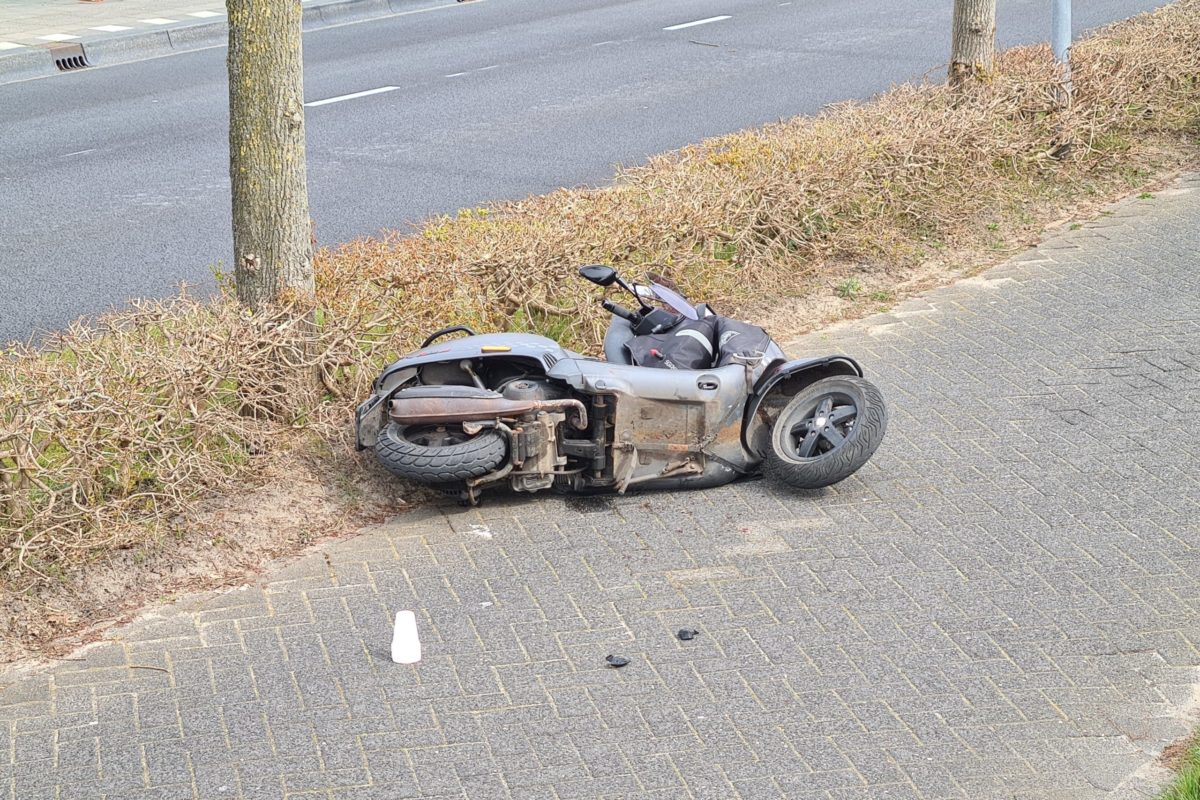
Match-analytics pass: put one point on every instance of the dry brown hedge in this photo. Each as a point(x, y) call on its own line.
point(107, 432)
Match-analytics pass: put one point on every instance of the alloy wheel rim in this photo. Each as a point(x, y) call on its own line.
point(824, 428)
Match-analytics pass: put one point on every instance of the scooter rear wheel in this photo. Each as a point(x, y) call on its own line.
point(826, 432)
point(439, 455)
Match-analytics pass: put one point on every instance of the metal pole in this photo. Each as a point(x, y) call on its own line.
point(1060, 38)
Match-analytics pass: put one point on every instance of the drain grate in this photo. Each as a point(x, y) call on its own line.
point(68, 57)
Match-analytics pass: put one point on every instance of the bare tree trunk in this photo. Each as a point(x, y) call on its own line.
point(974, 41)
point(272, 249)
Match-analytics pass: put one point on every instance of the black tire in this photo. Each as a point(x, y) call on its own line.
point(437, 456)
point(852, 419)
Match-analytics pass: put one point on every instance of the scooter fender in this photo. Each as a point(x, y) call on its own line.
point(786, 379)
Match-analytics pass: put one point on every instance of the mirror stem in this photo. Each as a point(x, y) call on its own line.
point(641, 303)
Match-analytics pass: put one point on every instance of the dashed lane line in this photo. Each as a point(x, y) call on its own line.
point(351, 96)
point(694, 23)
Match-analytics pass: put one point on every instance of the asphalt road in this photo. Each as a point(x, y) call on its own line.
point(113, 181)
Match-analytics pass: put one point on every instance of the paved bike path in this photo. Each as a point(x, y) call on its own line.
point(1004, 603)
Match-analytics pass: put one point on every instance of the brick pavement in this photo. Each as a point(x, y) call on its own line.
point(29, 22)
point(1004, 604)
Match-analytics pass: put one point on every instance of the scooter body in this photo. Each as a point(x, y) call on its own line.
point(484, 410)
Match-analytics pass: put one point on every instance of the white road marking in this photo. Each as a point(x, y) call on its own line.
point(159, 21)
point(352, 96)
point(79, 152)
point(112, 28)
point(601, 44)
point(10, 45)
point(58, 37)
point(693, 24)
point(205, 14)
point(468, 72)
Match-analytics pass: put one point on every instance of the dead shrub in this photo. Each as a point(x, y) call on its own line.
point(107, 432)
point(104, 429)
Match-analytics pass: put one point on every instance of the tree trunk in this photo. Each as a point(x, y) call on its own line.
point(272, 248)
point(974, 40)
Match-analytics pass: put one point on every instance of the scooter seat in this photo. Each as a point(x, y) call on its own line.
point(618, 334)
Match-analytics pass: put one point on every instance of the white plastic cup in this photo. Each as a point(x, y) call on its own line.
point(406, 644)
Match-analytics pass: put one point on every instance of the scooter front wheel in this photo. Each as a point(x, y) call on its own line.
point(826, 432)
point(436, 455)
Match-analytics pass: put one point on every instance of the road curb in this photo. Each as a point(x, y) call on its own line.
point(22, 65)
point(117, 49)
point(346, 11)
point(36, 61)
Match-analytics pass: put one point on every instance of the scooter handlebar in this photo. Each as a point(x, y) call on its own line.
point(619, 311)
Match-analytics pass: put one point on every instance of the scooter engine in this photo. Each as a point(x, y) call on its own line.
point(535, 440)
point(536, 452)
point(531, 389)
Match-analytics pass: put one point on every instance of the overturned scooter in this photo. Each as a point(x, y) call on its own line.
point(685, 398)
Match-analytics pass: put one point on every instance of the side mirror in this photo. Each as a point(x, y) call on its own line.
point(599, 274)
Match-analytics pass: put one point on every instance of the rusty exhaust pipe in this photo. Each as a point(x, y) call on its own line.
point(457, 407)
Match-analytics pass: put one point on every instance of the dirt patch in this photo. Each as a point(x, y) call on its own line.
point(1173, 755)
